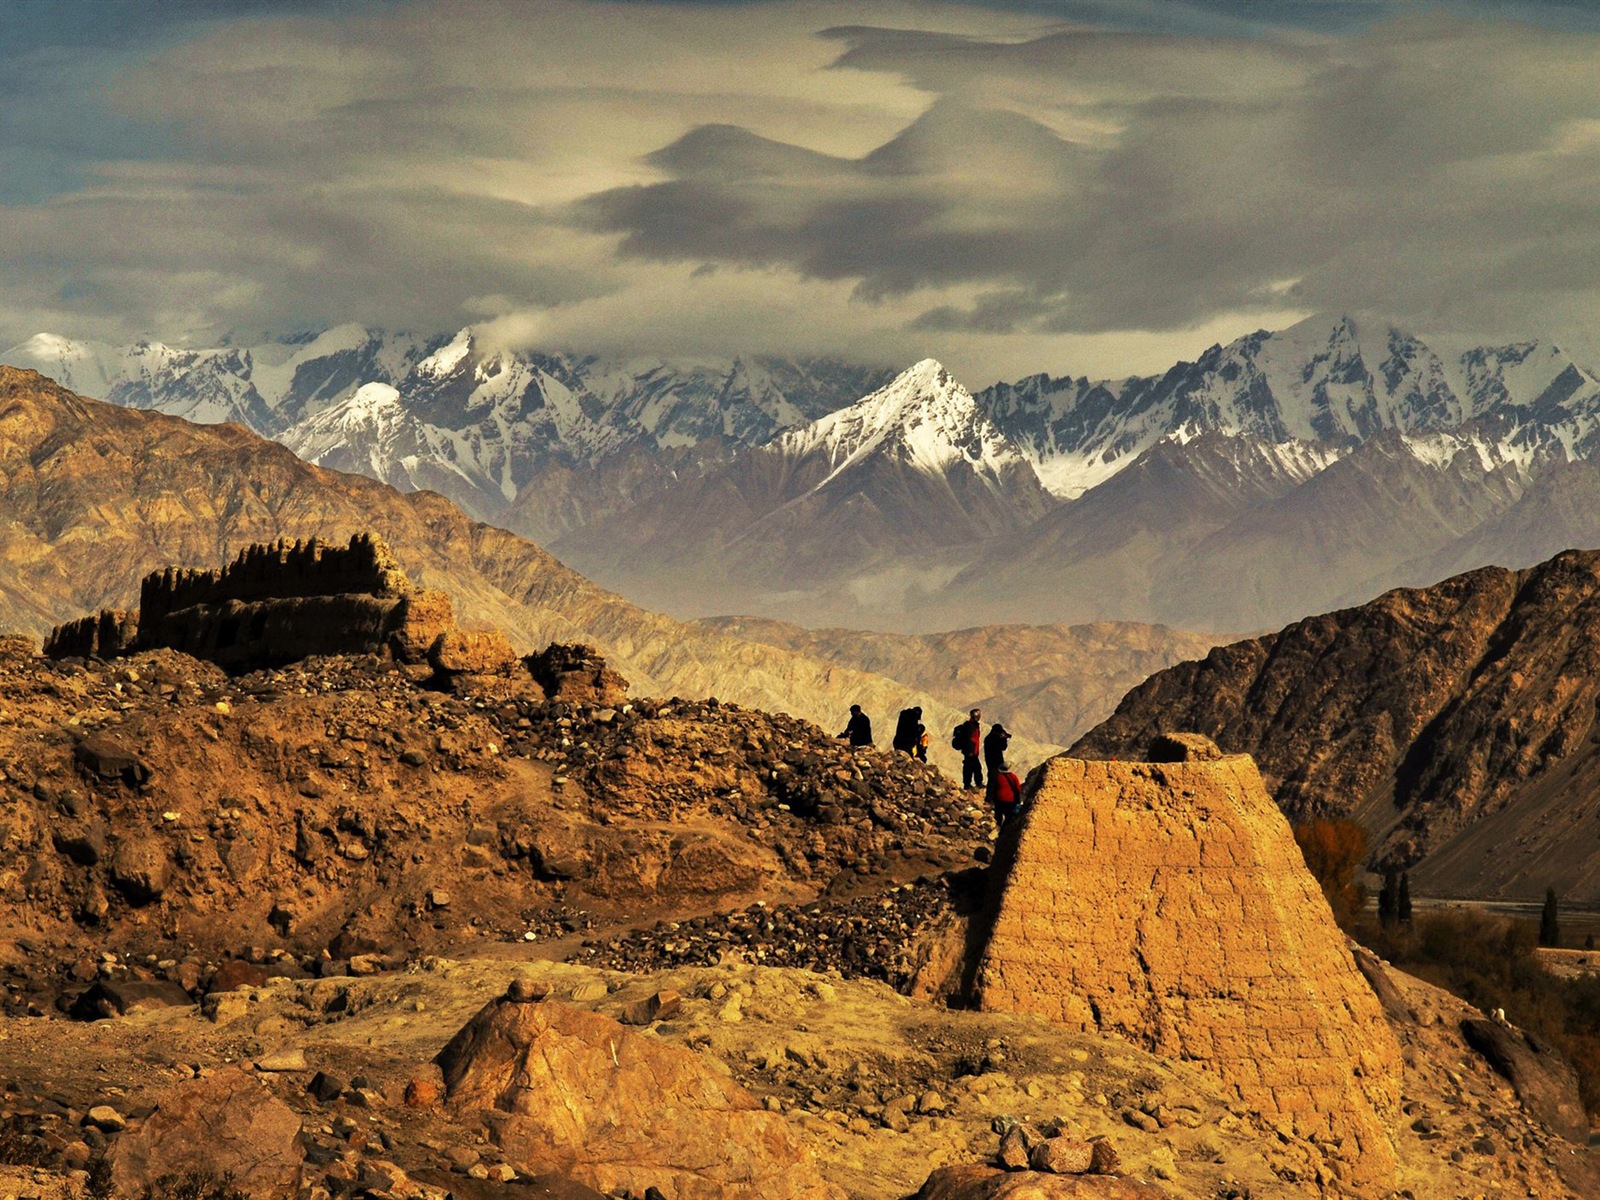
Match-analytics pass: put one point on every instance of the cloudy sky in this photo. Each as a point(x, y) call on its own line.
point(1096, 187)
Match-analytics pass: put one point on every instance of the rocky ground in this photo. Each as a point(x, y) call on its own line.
point(878, 1087)
point(287, 891)
point(347, 809)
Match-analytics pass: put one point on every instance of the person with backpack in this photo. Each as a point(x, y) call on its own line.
point(905, 732)
point(1007, 797)
point(858, 730)
point(967, 738)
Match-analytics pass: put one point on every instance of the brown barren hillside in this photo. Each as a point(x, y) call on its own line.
point(1456, 722)
point(1047, 682)
point(93, 497)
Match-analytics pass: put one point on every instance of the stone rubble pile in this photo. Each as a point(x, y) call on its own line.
point(871, 937)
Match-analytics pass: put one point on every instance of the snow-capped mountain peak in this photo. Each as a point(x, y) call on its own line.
point(924, 417)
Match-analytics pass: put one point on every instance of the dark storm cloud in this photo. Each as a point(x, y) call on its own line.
point(1010, 186)
point(1089, 180)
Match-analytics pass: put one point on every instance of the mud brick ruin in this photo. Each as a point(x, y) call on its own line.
point(273, 604)
point(1168, 903)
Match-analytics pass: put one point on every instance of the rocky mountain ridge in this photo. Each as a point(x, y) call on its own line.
point(1455, 722)
point(1321, 464)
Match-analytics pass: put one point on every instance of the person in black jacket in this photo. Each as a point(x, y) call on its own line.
point(858, 730)
point(994, 755)
point(967, 737)
point(905, 733)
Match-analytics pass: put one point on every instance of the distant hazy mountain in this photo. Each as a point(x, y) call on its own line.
point(908, 479)
point(1050, 683)
point(1281, 474)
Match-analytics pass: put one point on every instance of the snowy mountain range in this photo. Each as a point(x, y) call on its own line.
point(1280, 474)
point(479, 425)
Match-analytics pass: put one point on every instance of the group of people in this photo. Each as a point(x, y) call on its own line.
point(979, 751)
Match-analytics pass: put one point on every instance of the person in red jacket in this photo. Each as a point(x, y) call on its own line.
point(967, 737)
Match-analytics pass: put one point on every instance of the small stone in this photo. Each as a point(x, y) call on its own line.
point(658, 1006)
point(586, 993)
point(282, 1060)
point(326, 1088)
point(1162, 1163)
point(1016, 1147)
point(1141, 1120)
point(461, 1158)
point(105, 1118)
point(222, 1007)
point(439, 898)
point(930, 1102)
point(526, 990)
point(421, 1093)
point(1062, 1156)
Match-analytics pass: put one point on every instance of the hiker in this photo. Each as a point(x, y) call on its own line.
point(858, 729)
point(1007, 796)
point(921, 752)
point(905, 731)
point(994, 756)
point(966, 737)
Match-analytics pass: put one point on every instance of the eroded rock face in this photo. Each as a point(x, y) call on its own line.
point(1544, 1081)
point(222, 1123)
point(583, 1096)
point(1457, 722)
point(1168, 903)
point(576, 674)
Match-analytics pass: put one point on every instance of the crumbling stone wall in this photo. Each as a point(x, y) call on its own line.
point(1168, 903)
point(278, 571)
point(273, 604)
point(104, 634)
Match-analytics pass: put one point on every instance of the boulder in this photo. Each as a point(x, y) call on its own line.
point(578, 1094)
point(122, 997)
point(1543, 1080)
point(234, 974)
point(141, 869)
point(576, 674)
point(1394, 1003)
point(471, 652)
point(111, 759)
point(222, 1123)
point(991, 1183)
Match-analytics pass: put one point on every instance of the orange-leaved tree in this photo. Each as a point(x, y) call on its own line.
point(1334, 850)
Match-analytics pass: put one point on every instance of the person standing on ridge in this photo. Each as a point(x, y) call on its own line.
point(905, 735)
point(967, 737)
point(994, 756)
point(858, 729)
point(921, 750)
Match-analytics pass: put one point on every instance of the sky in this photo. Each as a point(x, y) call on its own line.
point(1098, 187)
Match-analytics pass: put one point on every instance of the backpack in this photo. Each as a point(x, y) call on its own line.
point(1008, 788)
point(959, 739)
